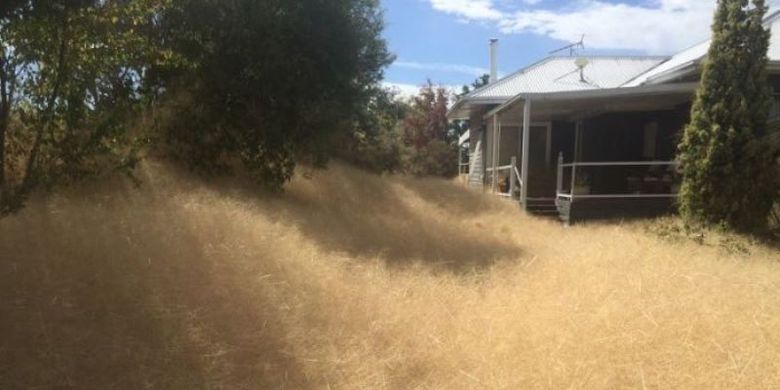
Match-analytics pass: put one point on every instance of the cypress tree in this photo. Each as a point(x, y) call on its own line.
point(727, 180)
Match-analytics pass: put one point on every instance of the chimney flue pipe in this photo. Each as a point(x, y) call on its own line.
point(493, 60)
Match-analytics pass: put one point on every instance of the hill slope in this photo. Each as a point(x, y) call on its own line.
point(350, 280)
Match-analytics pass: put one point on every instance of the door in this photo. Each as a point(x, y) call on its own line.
point(539, 158)
point(541, 175)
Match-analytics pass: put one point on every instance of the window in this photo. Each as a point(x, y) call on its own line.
point(774, 114)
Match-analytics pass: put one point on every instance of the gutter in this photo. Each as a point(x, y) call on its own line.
point(458, 106)
point(648, 90)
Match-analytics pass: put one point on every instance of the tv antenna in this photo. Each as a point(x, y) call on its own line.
point(573, 47)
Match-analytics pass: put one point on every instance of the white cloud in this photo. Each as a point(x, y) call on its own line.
point(470, 9)
point(658, 26)
point(450, 68)
point(403, 90)
point(669, 27)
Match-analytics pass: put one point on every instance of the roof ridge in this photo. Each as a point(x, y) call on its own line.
point(772, 17)
point(507, 77)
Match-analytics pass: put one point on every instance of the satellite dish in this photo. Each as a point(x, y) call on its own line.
point(581, 63)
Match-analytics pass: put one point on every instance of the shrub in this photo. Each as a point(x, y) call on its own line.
point(722, 184)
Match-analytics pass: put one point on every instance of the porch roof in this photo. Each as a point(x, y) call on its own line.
point(574, 104)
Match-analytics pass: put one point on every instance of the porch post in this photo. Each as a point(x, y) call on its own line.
point(577, 141)
point(498, 154)
point(512, 178)
point(526, 150)
point(559, 185)
point(493, 153)
point(460, 162)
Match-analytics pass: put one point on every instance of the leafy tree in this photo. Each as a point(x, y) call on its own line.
point(70, 90)
point(722, 184)
point(433, 141)
point(460, 126)
point(268, 83)
point(478, 83)
point(377, 143)
point(9, 79)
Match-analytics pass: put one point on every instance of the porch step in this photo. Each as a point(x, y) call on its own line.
point(542, 207)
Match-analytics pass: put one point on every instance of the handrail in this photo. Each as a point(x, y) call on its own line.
point(501, 168)
point(573, 166)
point(514, 177)
point(618, 163)
point(616, 196)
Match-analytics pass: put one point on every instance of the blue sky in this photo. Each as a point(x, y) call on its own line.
point(447, 40)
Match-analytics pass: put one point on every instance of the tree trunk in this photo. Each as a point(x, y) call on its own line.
point(27, 182)
point(5, 110)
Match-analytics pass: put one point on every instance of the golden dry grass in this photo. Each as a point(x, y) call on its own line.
point(351, 281)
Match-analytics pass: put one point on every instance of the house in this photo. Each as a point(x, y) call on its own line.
point(588, 137)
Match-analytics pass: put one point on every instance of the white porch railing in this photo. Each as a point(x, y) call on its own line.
point(464, 163)
point(502, 173)
point(659, 175)
point(463, 171)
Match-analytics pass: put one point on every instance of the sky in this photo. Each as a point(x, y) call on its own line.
point(446, 41)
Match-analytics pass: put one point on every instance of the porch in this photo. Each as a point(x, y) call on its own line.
point(588, 154)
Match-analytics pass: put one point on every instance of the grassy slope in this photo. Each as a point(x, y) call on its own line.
point(352, 281)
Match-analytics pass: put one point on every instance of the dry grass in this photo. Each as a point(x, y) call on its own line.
point(350, 281)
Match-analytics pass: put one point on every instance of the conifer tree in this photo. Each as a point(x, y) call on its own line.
point(725, 181)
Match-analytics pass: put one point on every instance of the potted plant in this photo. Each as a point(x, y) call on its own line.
point(582, 185)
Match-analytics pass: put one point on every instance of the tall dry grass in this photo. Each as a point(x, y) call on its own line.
point(352, 281)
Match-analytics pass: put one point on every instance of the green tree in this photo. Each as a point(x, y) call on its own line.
point(9, 79)
point(268, 83)
point(722, 184)
point(478, 83)
point(460, 126)
point(71, 73)
point(376, 143)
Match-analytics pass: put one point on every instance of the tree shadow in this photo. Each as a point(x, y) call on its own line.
point(399, 220)
point(455, 197)
point(113, 292)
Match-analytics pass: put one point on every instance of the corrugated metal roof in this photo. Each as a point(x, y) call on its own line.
point(694, 54)
point(682, 59)
point(556, 74)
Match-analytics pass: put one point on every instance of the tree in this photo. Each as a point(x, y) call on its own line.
point(460, 126)
point(376, 143)
point(433, 142)
point(9, 78)
point(722, 184)
point(478, 83)
point(268, 84)
point(70, 88)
